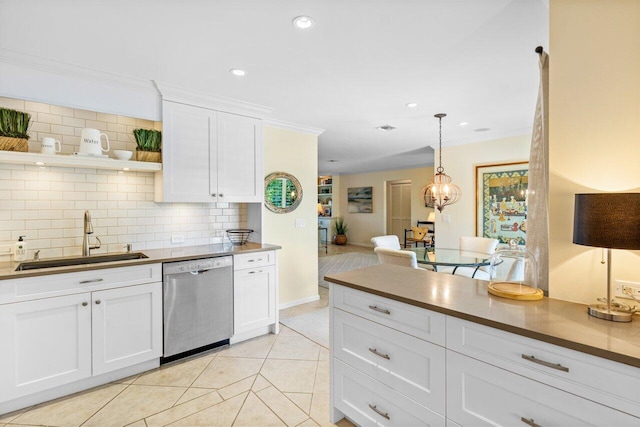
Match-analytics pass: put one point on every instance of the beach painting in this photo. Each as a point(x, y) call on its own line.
point(359, 200)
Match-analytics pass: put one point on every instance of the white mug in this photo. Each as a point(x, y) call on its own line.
point(50, 146)
point(90, 142)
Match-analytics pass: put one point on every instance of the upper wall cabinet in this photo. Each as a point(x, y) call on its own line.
point(209, 156)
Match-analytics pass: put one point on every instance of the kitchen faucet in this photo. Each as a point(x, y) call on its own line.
point(88, 229)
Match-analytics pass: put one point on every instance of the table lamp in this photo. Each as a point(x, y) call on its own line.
point(611, 221)
point(320, 210)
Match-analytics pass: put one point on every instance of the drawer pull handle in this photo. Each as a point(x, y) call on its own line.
point(380, 310)
point(557, 366)
point(84, 304)
point(98, 301)
point(254, 272)
point(379, 412)
point(377, 353)
point(255, 260)
point(84, 282)
point(529, 422)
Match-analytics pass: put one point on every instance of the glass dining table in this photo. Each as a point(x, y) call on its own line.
point(455, 258)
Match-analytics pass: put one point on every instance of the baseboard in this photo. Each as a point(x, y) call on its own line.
point(298, 302)
point(362, 245)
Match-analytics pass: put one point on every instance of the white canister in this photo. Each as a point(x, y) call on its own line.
point(90, 142)
point(50, 146)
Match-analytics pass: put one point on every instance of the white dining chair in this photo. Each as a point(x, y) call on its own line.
point(389, 242)
point(396, 257)
point(483, 245)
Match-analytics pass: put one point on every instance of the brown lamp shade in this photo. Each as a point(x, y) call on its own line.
point(607, 220)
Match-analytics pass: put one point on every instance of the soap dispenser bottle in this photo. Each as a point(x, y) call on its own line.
point(20, 253)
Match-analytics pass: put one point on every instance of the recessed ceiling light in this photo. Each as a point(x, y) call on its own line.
point(385, 128)
point(303, 22)
point(481, 130)
point(463, 124)
point(125, 169)
point(40, 163)
point(412, 104)
point(238, 72)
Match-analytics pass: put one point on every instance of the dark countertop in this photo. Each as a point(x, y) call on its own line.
point(558, 322)
point(7, 269)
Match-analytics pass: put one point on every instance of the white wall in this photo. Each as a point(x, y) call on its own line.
point(594, 127)
point(364, 226)
point(459, 163)
point(297, 154)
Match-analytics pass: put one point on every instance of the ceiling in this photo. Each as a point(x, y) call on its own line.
point(353, 71)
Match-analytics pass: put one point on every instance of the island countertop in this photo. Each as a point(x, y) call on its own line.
point(558, 322)
point(182, 253)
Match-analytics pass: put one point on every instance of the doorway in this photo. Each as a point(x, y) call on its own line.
point(398, 207)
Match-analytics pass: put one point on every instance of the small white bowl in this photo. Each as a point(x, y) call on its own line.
point(122, 154)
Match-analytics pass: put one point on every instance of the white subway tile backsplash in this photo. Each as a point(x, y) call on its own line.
point(37, 106)
point(84, 114)
point(47, 204)
point(73, 122)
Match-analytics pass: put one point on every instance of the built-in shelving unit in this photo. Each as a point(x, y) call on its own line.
point(74, 161)
point(325, 195)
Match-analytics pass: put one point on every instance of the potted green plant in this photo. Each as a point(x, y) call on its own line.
point(340, 237)
point(149, 145)
point(14, 126)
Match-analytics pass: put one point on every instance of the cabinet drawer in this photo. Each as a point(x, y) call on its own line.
point(369, 402)
point(479, 394)
point(610, 383)
point(409, 365)
point(421, 323)
point(254, 259)
point(29, 288)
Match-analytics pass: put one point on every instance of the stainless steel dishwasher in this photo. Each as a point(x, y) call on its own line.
point(198, 305)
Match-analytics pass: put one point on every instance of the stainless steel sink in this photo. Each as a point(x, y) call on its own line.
point(67, 262)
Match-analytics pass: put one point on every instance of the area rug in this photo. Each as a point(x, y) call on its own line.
point(344, 262)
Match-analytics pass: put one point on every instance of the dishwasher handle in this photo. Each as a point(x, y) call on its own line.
point(196, 266)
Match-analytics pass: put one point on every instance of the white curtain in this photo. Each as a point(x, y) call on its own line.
point(538, 197)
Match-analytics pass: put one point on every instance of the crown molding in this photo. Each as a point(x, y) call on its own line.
point(214, 102)
point(281, 124)
point(26, 60)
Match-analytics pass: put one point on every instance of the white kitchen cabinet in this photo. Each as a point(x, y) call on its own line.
point(492, 377)
point(45, 343)
point(254, 295)
point(67, 332)
point(209, 156)
point(480, 394)
point(127, 326)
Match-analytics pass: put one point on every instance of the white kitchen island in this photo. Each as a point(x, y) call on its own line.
point(413, 347)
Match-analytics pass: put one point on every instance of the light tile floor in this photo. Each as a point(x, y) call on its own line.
point(272, 380)
point(268, 381)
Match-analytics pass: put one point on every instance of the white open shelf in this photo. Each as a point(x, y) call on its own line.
point(74, 161)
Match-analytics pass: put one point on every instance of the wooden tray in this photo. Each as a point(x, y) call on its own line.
point(515, 291)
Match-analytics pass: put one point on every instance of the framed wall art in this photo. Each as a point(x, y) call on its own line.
point(359, 200)
point(501, 201)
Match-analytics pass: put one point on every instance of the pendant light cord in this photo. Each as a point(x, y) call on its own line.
point(440, 169)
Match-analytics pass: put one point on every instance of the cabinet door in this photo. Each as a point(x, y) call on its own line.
point(239, 159)
point(479, 394)
point(254, 293)
point(127, 326)
point(45, 343)
point(188, 143)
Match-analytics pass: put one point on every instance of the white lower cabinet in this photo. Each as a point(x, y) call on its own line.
point(479, 394)
point(391, 365)
point(110, 320)
point(45, 343)
point(369, 402)
point(127, 326)
point(255, 293)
